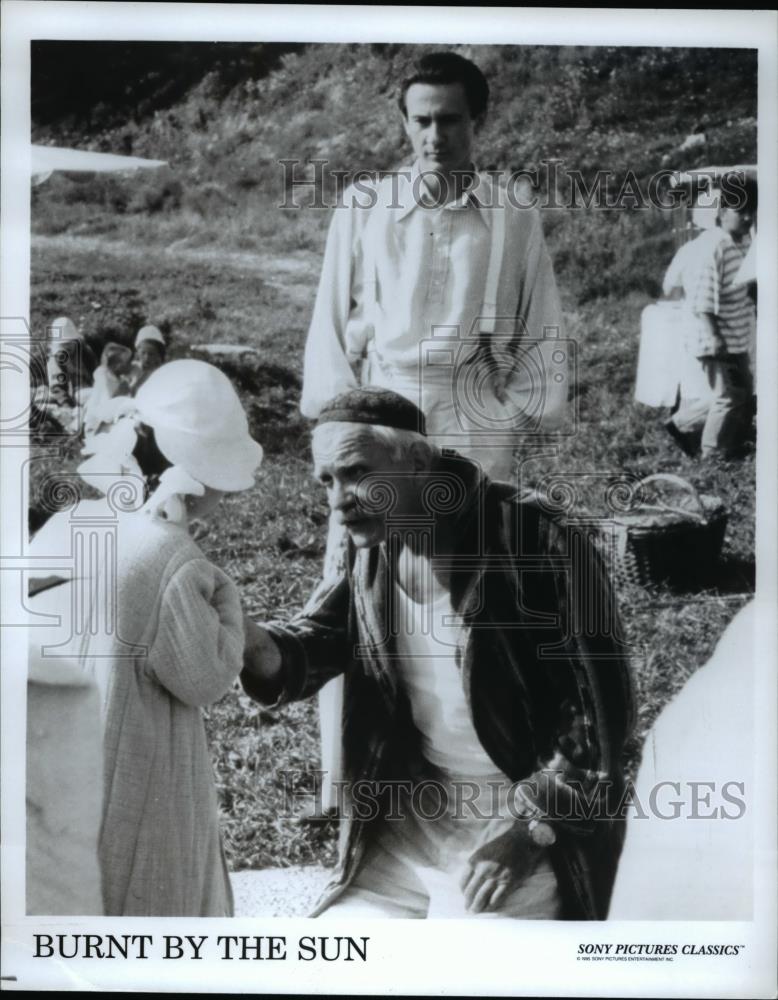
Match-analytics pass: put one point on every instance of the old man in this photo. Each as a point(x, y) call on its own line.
point(487, 697)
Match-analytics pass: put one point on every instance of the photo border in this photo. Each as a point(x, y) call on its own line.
point(452, 957)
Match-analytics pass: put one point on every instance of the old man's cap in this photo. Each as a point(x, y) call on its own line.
point(373, 405)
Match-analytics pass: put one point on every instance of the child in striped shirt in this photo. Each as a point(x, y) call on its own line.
point(722, 327)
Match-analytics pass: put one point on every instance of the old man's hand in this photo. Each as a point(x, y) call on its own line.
point(498, 867)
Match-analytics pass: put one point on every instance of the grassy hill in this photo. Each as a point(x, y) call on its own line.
point(247, 108)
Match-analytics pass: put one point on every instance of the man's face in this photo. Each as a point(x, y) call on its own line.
point(343, 455)
point(438, 123)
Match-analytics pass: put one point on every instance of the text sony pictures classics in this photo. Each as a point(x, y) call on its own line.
point(632, 951)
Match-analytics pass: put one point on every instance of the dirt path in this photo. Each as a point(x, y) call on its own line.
point(294, 272)
point(278, 892)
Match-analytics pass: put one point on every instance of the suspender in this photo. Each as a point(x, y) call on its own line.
point(369, 274)
point(496, 253)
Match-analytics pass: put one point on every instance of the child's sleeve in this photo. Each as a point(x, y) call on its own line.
point(705, 281)
point(197, 651)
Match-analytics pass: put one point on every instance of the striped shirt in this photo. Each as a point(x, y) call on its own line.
point(710, 271)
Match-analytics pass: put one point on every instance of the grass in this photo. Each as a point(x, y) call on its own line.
point(270, 539)
point(193, 295)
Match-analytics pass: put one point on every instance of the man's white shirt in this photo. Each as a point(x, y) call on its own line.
point(402, 285)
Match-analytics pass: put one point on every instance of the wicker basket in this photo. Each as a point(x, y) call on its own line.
point(675, 543)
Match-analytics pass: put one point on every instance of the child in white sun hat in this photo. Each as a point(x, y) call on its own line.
point(166, 640)
point(150, 351)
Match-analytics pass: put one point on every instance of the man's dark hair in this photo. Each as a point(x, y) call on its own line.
point(448, 67)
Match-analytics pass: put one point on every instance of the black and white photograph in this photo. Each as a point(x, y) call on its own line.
point(388, 451)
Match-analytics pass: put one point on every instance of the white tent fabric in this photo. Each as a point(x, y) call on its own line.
point(46, 159)
point(664, 364)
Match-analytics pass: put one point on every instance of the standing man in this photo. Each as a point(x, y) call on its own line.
point(487, 695)
point(433, 255)
point(437, 284)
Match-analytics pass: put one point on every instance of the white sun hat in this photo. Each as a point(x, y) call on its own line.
point(149, 333)
point(199, 424)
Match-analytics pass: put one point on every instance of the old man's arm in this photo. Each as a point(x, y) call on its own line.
point(584, 705)
point(579, 790)
point(588, 687)
point(288, 661)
